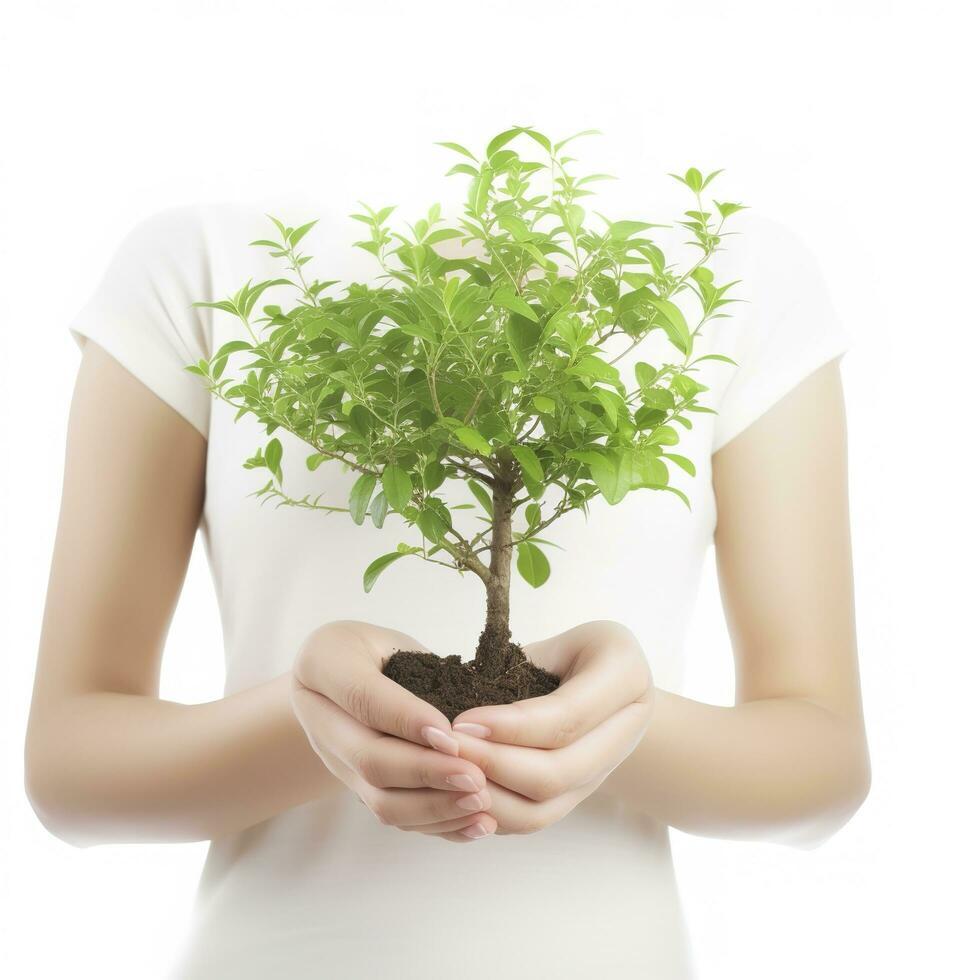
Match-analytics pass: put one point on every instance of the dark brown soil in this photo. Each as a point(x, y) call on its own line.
point(500, 674)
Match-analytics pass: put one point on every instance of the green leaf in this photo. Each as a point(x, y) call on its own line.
point(433, 521)
point(648, 470)
point(376, 567)
point(297, 235)
point(726, 209)
point(333, 326)
point(502, 139)
point(509, 299)
point(223, 305)
point(532, 514)
point(532, 563)
point(610, 402)
point(379, 509)
point(576, 215)
point(459, 149)
point(661, 398)
point(463, 168)
point(433, 475)
point(479, 191)
point(530, 464)
point(683, 462)
point(538, 137)
point(513, 336)
point(473, 268)
point(714, 357)
point(481, 495)
point(684, 386)
point(231, 347)
point(607, 472)
point(251, 295)
point(590, 366)
point(617, 472)
point(664, 435)
point(517, 228)
point(442, 235)
point(360, 496)
point(273, 457)
point(538, 255)
point(544, 404)
point(678, 493)
point(621, 230)
point(420, 330)
point(674, 324)
point(397, 486)
point(645, 373)
point(588, 456)
point(449, 291)
point(473, 440)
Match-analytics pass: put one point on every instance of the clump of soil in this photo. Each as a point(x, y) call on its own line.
point(500, 674)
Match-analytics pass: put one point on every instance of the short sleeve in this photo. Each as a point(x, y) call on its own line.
point(789, 328)
point(141, 310)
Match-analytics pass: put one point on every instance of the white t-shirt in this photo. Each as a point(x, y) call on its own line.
point(324, 890)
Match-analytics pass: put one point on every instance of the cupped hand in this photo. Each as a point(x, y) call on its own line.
point(543, 756)
point(394, 750)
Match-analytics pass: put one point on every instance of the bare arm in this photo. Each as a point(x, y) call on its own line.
point(106, 759)
point(789, 760)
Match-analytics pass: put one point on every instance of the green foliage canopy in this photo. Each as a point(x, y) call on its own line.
point(494, 369)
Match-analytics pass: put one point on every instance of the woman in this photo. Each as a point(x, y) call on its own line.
point(304, 773)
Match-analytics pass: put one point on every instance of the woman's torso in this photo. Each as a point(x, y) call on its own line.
point(324, 890)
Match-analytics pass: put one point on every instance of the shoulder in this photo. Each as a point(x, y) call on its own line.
point(166, 229)
point(198, 248)
point(205, 224)
point(785, 325)
point(217, 234)
point(754, 240)
point(774, 262)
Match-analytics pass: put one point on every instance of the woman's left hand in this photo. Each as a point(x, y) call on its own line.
point(544, 755)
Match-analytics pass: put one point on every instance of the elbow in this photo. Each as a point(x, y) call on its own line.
point(83, 823)
point(52, 788)
point(84, 815)
point(85, 798)
point(44, 784)
point(48, 803)
point(850, 791)
point(55, 824)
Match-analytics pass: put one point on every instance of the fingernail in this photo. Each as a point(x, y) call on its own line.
point(478, 801)
point(475, 830)
point(438, 739)
point(463, 782)
point(468, 728)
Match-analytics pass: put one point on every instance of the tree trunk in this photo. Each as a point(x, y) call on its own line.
point(493, 648)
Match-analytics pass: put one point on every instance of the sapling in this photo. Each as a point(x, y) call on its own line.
point(497, 369)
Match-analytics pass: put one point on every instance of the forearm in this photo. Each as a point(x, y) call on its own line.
point(108, 767)
point(782, 769)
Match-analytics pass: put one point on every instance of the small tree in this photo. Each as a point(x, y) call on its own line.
point(489, 369)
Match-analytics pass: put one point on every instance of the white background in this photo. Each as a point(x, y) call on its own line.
point(851, 122)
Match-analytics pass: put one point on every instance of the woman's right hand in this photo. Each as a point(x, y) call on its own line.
point(394, 750)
